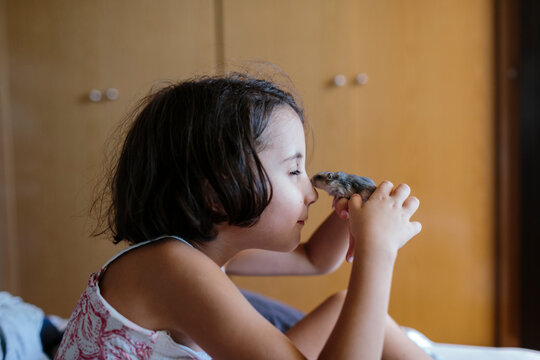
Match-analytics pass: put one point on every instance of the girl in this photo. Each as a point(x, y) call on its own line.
point(211, 177)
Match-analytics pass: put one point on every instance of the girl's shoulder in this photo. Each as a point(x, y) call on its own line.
point(145, 281)
point(166, 263)
point(174, 287)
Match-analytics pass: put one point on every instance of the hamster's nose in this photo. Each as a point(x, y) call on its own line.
point(317, 177)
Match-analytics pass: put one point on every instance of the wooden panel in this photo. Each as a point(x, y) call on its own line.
point(424, 118)
point(310, 41)
point(431, 113)
point(59, 51)
point(8, 236)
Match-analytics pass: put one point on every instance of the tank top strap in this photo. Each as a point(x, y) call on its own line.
point(142, 244)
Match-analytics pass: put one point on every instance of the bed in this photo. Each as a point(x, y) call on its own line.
point(27, 333)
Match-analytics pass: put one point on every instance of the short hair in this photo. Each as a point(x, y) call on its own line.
point(189, 160)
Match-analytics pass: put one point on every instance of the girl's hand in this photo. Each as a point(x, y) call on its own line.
point(341, 206)
point(383, 222)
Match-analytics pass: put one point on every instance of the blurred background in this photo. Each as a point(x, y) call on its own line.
point(423, 92)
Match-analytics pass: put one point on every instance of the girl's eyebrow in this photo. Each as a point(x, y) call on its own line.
point(294, 157)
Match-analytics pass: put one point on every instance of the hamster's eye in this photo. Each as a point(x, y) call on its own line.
point(330, 176)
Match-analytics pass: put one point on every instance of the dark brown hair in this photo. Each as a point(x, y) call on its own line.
point(189, 160)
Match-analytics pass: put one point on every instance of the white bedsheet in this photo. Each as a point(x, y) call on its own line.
point(464, 352)
point(440, 351)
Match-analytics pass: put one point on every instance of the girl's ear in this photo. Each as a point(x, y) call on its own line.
point(211, 199)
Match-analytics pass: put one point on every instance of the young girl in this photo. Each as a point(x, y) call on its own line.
point(211, 180)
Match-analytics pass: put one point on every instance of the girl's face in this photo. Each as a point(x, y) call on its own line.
point(283, 158)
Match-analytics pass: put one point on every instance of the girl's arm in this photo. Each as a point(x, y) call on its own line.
point(322, 253)
point(208, 308)
point(379, 228)
point(311, 333)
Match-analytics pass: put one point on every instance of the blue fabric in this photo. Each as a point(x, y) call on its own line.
point(50, 337)
point(281, 315)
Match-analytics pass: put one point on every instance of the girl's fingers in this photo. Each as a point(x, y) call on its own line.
point(383, 190)
point(417, 227)
point(355, 202)
point(350, 252)
point(386, 187)
point(341, 206)
point(401, 192)
point(411, 204)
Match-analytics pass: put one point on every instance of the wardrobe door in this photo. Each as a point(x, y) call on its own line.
point(310, 41)
point(60, 52)
point(420, 112)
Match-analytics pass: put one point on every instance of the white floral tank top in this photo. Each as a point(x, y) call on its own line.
point(97, 331)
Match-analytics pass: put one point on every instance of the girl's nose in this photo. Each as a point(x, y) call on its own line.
point(311, 195)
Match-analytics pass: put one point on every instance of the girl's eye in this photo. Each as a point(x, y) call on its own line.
point(295, 172)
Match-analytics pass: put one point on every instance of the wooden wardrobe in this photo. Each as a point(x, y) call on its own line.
point(397, 90)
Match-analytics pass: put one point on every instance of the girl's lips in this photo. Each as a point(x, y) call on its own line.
point(301, 222)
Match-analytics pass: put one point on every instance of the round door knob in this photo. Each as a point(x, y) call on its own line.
point(340, 80)
point(95, 95)
point(362, 79)
point(112, 93)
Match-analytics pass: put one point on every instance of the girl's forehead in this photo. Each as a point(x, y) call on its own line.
point(284, 119)
point(284, 122)
point(284, 130)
